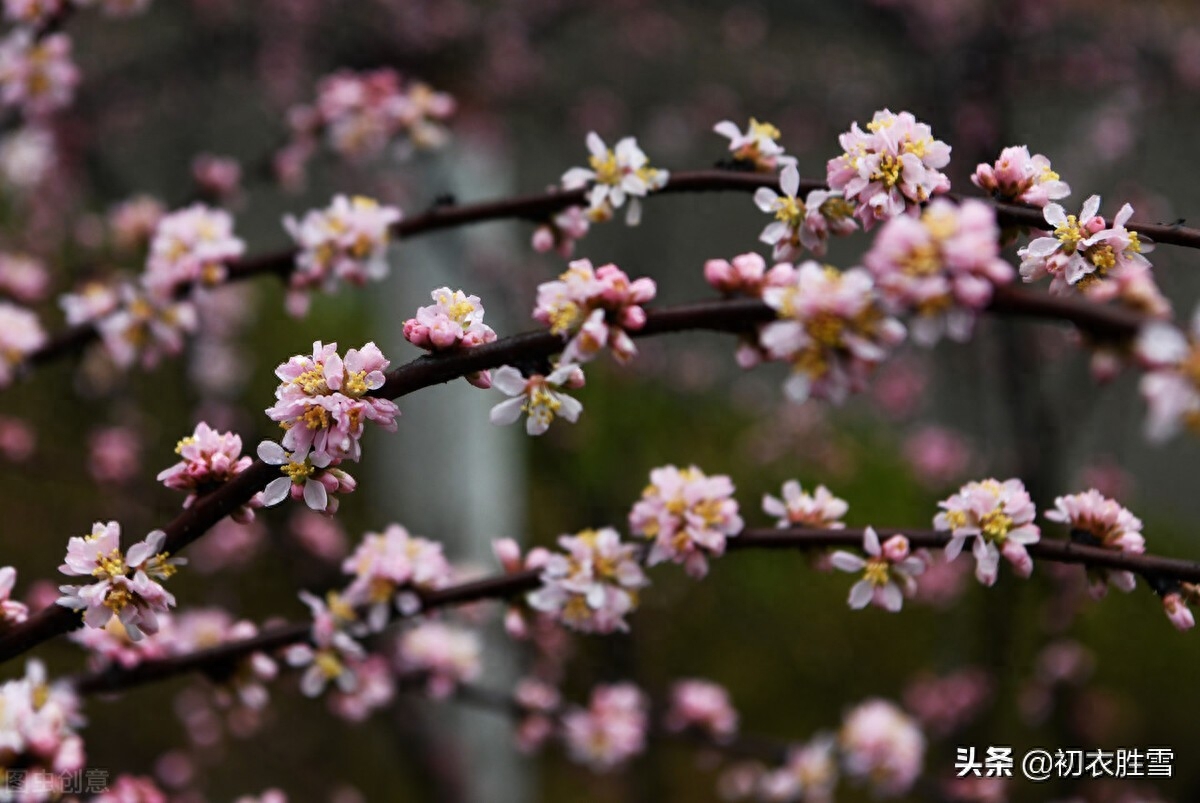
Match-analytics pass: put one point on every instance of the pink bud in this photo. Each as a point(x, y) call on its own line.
point(480, 379)
point(719, 273)
point(1178, 612)
point(896, 549)
point(508, 552)
point(543, 239)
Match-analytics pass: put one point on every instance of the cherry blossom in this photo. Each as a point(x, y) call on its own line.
point(37, 74)
point(390, 568)
point(217, 177)
point(134, 221)
point(701, 706)
point(833, 330)
point(594, 308)
point(611, 730)
point(941, 267)
point(446, 655)
point(539, 702)
point(688, 515)
point(23, 277)
point(135, 600)
point(32, 12)
point(28, 155)
point(38, 726)
point(1171, 384)
point(131, 789)
point(890, 168)
point(999, 516)
point(347, 241)
point(192, 245)
point(322, 401)
point(882, 745)
point(332, 652)
point(889, 572)
point(592, 584)
point(810, 773)
point(756, 147)
point(798, 508)
point(1096, 520)
point(12, 612)
point(747, 274)
point(205, 628)
point(146, 327)
point(1177, 611)
point(454, 321)
point(615, 175)
point(561, 232)
point(801, 224)
point(1017, 176)
point(93, 301)
point(209, 458)
point(541, 398)
point(374, 689)
point(315, 479)
point(111, 645)
point(21, 333)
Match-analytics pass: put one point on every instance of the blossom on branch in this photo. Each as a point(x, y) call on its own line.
point(882, 745)
point(12, 612)
point(1171, 384)
point(209, 459)
point(322, 401)
point(347, 241)
point(21, 333)
point(801, 224)
point(315, 479)
point(889, 572)
point(126, 584)
point(688, 515)
point(701, 706)
point(37, 74)
point(889, 169)
point(810, 773)
point(999, 516)
point(561, 232)
point(592, 584)
point(145, 327)
point(446, 655)
point(941, 267)
point(798, 508)
point(1098, 521)
point(391, 568)
point(611, 730)
point(755, 147)
point(192, 245)
point(614, 177)
point(1018, 177)
point(541, 398)
point(594, 308)
point(453, 322)
point(833, 330)
point(747, 274)
point(38, 728)
point(333, 652)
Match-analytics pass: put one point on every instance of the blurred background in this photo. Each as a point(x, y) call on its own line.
point(1110, 91)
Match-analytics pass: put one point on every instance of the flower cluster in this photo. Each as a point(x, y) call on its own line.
point(999, 516)
point(145, 326)
point(538, 702)
point(834, 331)
point(126, 584)
point(1171, 384)
point(32, 12)
point(190, 246)
point(12, 612)
point(1084, 254)
point(23, 277)
point(38, 723)
point(132, 222)
point(444, 654)
point(1096, 520)
point(941, 266)
point(592, 584)
point(1017, 176)
point(810, 773)
point(314, 479)
point(755, 148)
point(561, 232)
point(322, 402)
point(389, 568)
point(540, 397)
point(363, 114)
point(704, 707)
point(890, 168)
point(688, 515)
point(889, 572)
point(37, 73)
point(346, 241)
point(615, 175)
point(806, 223)
point(331, 656)
point(747, 274)
point(883, 745)
point(454, 321)
point(20, 334)
point(611, 730)
point(209, 458)
point(798, 508)
point(205, 628)
point(594, 308)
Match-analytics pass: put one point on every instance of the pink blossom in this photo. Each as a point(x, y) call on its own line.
point(702, 706)
point(1096, 520)
point(333, 652)
point(394, 567)
point(611, 730)
point(1171, 384)
point(937, 455)
point(92, 302)
point(756, 146)
point(217, 177)
point(890, 168)
point(37, 74)
point(541, 398)
point(32, 12)
point(27, 156)
point(229, 545)
point(882, 745)
point(210, 459)
point(889, 572)
point(453, 322)
point(747, 274)
point(314, 479)
point(21, 334)
point(592, 584)
point(12, 612)
point(18, 440)
point(798, 508)
point(592, 308)
point(538, 702)
point(614, 176)
point(561, 232)
point(318, 535)
point(832, 329)
point(999, 516)
point(1017, 176)
point(114, 454)
point(941, 267)
point(810, 773)
point(192, 245)
point(688, 515)
point(112, 645)
point(801, 224)
point(446, 655)
point(322, 401)
point(374, 690)
point(1177, 611)
point(134, 221)
point(23, 277)
point(38, 724)
point(126, 584)
point(347, 241)
point(947, 703)
point(145, 327)
point(131, 789)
